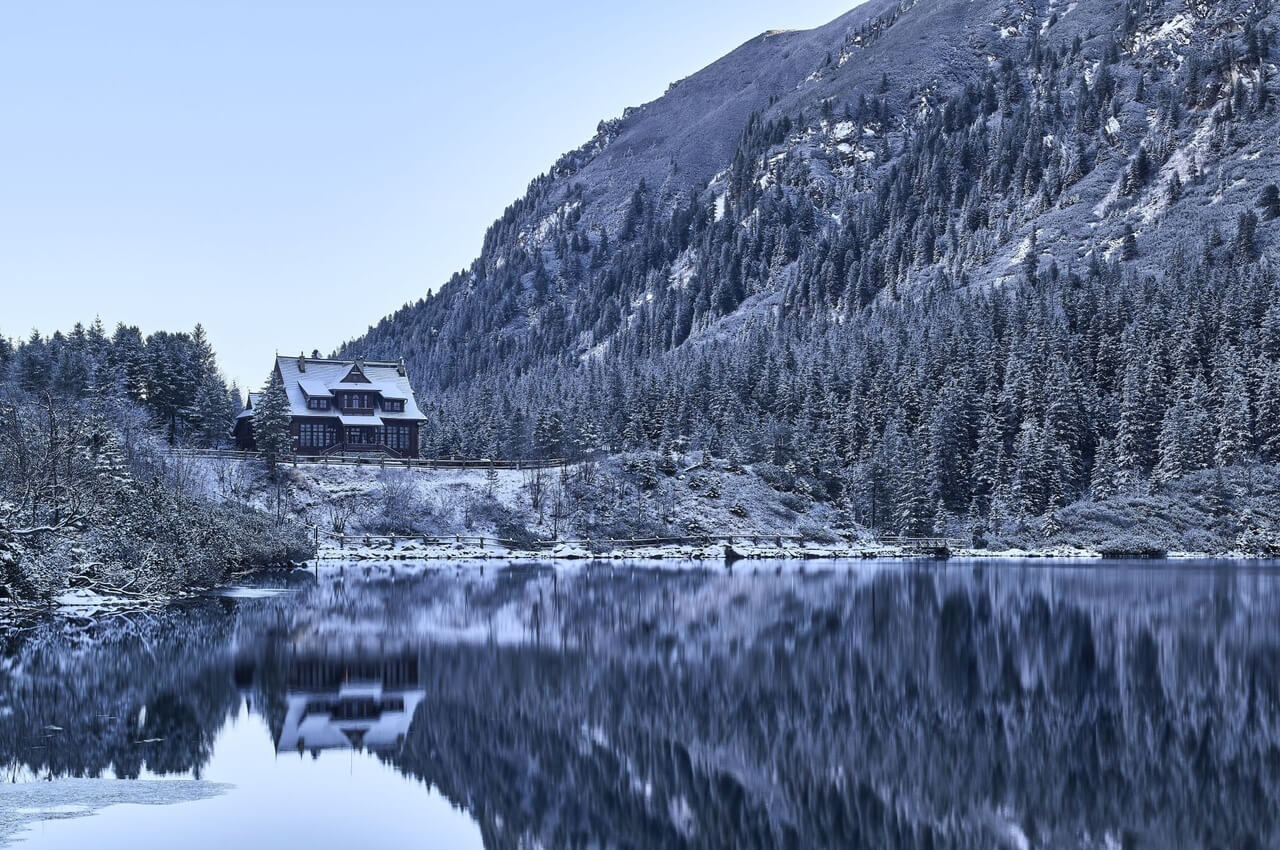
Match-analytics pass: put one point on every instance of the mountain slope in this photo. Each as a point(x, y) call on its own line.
point(829, 236)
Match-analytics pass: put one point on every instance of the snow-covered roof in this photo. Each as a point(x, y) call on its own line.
point(311, 377)
point(387, 390)
point(254, 398)
point(315, 389)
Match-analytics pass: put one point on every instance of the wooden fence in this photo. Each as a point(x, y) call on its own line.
point(382, 462)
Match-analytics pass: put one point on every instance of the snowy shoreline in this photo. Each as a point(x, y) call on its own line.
point(89, 604)
point(716, 553)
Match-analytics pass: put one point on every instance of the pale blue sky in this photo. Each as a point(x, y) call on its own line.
point(289, 171)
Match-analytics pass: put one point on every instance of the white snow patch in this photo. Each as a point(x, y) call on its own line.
point(1024, 248)
point(683, 269)
point(1176, 30)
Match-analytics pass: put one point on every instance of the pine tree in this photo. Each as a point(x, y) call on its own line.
point(1106, 478)
point(1234, 444)
point(271, 424)
point(548, 435)
point(1246, 249)
point(1027, 495)
point(1134, 441)
point(33, 364)
point(1269, 201)
point(127, 362)
point(1269, 414)
point(210, 413)
point(1186, 435)
point(1129, 245)
point(913, 515)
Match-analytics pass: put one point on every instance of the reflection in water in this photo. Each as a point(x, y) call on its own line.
point(868, 706)
point(340, 700)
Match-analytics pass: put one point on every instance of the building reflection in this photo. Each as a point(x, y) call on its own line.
point(349, 698)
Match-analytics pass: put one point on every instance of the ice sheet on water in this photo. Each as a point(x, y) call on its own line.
point(250, 592)
point(25, 803)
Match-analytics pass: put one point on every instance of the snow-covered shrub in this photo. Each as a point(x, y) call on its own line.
point(775, 476)
point(816, 533)
point(396, 506)
point(1133, 545)
point(714, 488)
point(261, 541)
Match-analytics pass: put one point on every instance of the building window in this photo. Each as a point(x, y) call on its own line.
point(393, 406)
point(361, 436)
point(397, 437)
point(318, 403)
point(314, 436)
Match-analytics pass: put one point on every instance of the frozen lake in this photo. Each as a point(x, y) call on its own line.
point(848, 704)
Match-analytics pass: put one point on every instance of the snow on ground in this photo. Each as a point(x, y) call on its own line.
point(87, 602)
point(617, 502)
point(372, 548)
point(1177, 30)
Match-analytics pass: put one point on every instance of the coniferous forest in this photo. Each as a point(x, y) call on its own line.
point(92, 494)
point(960, 291)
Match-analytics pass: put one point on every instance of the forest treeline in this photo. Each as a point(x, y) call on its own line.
point(90, 494)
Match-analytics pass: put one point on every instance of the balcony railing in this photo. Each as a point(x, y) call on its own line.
point(359, 411)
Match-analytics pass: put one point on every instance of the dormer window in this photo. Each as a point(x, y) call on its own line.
point(393, 406)
point(318, 403)
point(359, 401)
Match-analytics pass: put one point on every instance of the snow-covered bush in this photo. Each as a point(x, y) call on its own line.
point(395, 506)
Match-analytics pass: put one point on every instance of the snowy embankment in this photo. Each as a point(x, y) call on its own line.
point(622, 505)
point(371, 513)
point(375, 550)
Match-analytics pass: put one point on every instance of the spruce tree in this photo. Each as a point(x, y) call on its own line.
point(210, 413)
point(1105, 480)
point(1269, 414)
point(271, 424)
point(1234, 443)
point(1269, 201)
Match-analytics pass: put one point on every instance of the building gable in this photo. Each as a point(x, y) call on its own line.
point(356, 375)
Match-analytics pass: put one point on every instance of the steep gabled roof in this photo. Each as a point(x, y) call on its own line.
point(318, 378)
point(254, 399)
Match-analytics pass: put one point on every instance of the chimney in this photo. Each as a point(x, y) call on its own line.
point(302, 362)
point(400, 370)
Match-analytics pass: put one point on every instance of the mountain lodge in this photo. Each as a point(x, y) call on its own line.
point(343, 406)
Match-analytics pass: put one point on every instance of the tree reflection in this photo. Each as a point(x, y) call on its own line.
point(898, 707)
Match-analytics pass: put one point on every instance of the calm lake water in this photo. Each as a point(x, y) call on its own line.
point(878, 705)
